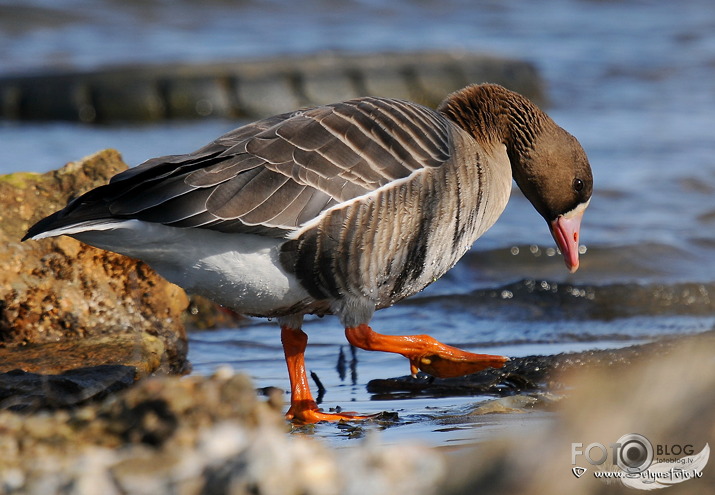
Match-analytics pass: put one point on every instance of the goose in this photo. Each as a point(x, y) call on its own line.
point(340, 209)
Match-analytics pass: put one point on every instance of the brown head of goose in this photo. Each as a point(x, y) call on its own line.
point(548, 164)
point(339, 209)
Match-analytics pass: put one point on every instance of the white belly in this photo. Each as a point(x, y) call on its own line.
point(240, 271)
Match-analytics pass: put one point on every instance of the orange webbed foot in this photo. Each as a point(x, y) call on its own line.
point(449, 362)
point(303, 408)
point(425, 353)
point(307, 412)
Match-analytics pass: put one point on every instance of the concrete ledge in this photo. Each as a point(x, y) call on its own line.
point(253, 88)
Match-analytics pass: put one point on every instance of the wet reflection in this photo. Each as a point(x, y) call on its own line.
point(341, 366)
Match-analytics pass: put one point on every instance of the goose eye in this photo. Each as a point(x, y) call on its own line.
point(577, 185)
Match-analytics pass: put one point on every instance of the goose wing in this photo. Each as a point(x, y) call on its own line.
point(274, 175)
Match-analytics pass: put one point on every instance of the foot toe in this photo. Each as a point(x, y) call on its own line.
point(448, 366)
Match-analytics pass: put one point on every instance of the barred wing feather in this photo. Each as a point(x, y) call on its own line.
point(274, 175)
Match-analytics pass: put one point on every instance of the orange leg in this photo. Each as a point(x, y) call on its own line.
point(303, 408)
point(424, 352)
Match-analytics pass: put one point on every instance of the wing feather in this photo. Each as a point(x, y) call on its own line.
point(154, 194)
point(223, 171)
point(275, 175)
point(305, 132)
point(238, 196)
point(180, 209)
point(271, 148)
point(292, 211)
point(276, 203)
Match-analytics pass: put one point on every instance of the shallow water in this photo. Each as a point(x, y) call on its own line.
point(632, 80)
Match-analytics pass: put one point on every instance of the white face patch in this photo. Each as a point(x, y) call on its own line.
point(578, 210)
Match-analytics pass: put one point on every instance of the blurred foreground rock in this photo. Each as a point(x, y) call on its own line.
point(194, 436)
point(664, 393)
point(66, 305)
point(214, 436)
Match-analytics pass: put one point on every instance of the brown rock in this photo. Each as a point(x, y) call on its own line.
point(197, 435)
point(665, 394)
point(160, 411)
point(140, 350)
point(60, 290)
point(28, 392)
point(203, 314)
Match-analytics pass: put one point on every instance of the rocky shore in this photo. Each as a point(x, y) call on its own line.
point(193, 436)
point(67, 306)
point(93, 344)
point(214, 435)
point(83, 330)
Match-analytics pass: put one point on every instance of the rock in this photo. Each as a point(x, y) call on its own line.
point(203, 314)
point(65, 295)
point(665, 394)
point(196, 435)
point(254, 88)
point(25, 391)
point(159, 412)
point(199, 435)
point(140, 350)
point(529, 373)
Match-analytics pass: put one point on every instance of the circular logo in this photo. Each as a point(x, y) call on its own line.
point(635, 454)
